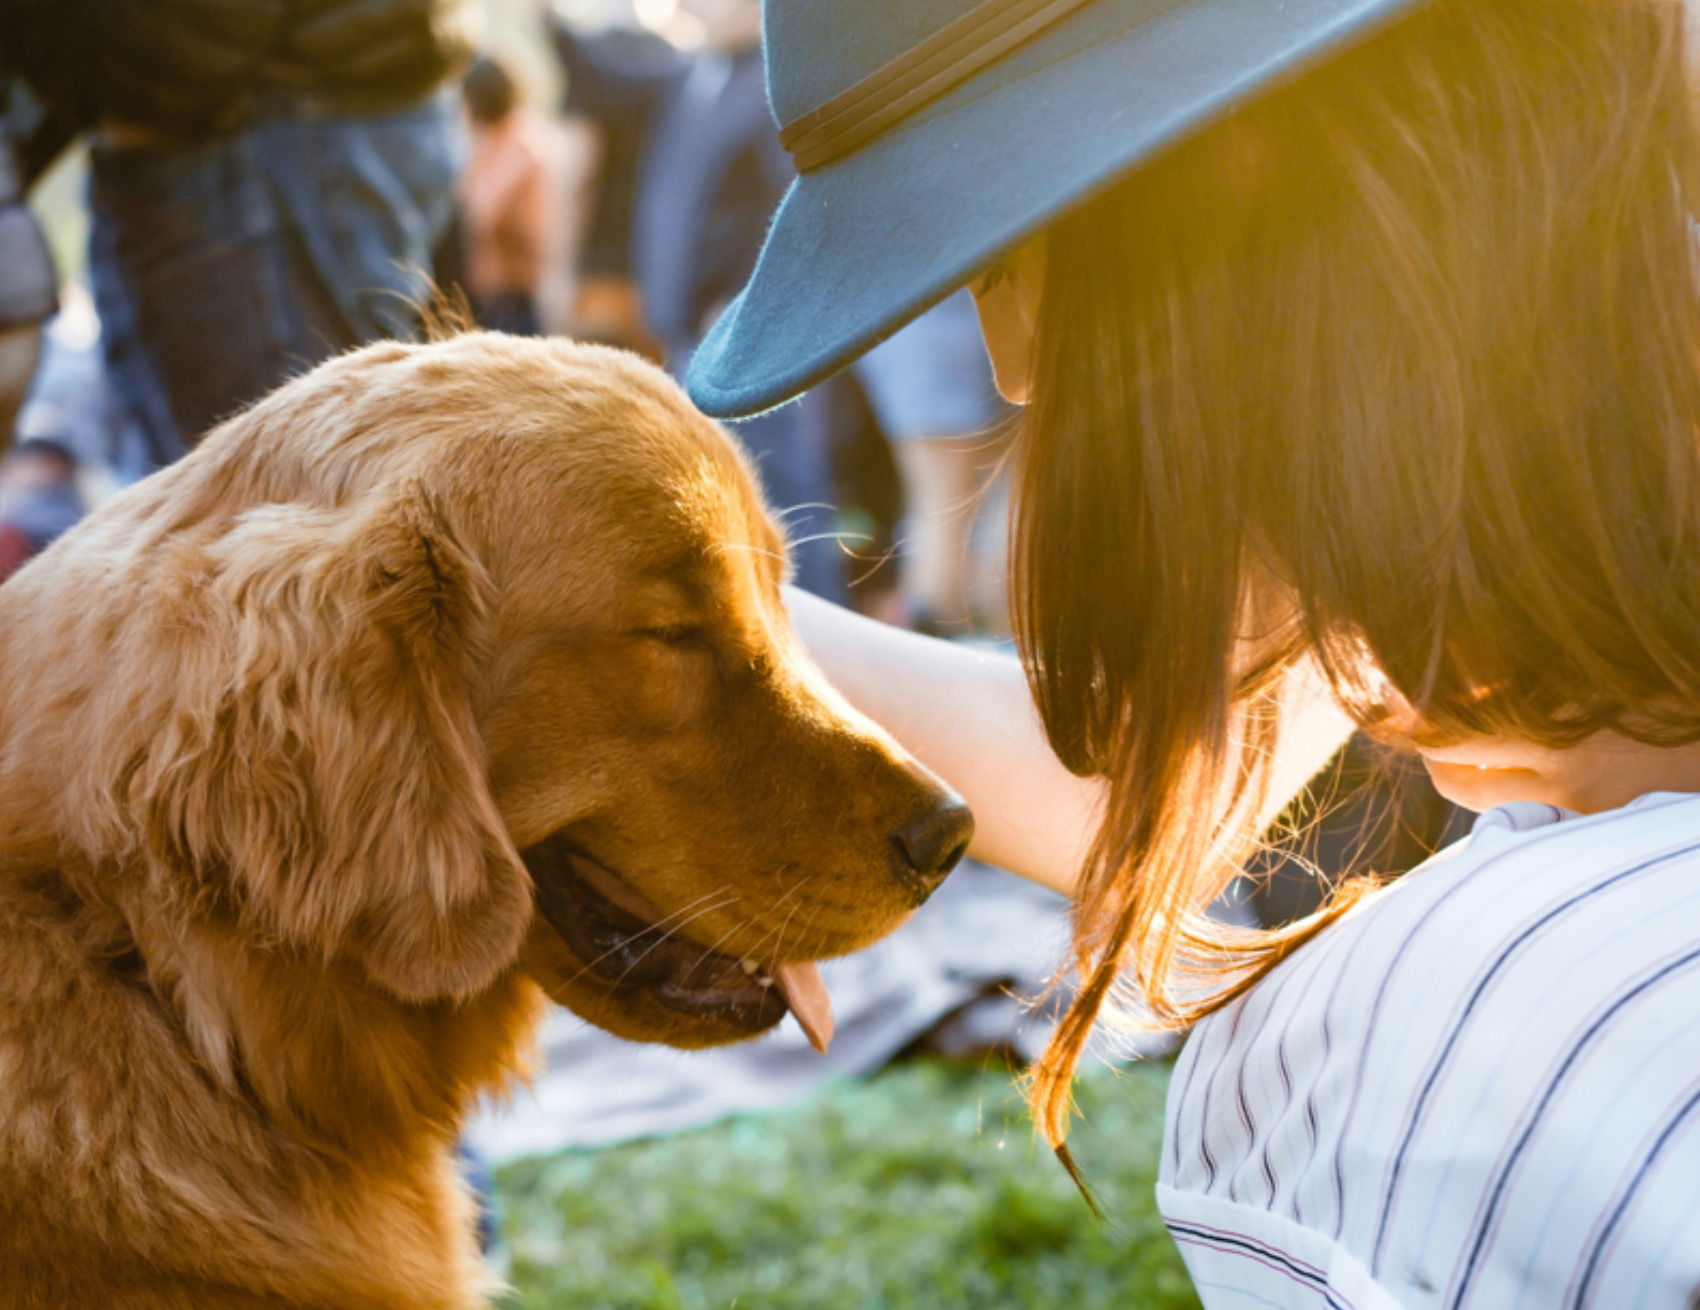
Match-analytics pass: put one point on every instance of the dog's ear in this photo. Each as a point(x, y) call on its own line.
point(330, 777)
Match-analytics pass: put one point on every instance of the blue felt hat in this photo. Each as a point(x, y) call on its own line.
point(934, 135)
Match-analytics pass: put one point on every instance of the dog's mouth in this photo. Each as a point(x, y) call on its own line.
point(626, 941)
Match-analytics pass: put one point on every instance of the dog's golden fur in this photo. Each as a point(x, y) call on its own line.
point(277, 726)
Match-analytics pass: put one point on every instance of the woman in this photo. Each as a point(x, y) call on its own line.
point(1361, 351)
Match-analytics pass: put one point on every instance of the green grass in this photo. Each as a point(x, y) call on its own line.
point(921, 1189)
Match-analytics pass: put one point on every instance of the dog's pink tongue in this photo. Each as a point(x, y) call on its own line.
point(806, 994)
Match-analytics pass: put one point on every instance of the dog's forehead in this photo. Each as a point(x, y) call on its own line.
point(598, 463)
point(655, 486)
point(662, 460)
point(710, 534)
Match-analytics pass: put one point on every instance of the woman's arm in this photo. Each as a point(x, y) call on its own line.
point(967, 715)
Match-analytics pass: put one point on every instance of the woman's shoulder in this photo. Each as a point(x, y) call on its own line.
point(1526, 875)
point(1512, 1023)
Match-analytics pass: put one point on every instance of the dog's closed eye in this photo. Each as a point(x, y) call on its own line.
point(677, 634)
point(688, 642)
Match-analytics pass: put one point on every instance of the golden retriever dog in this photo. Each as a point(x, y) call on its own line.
point(446, 677)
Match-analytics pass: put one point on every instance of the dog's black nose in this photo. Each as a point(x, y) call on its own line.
point(931, 846)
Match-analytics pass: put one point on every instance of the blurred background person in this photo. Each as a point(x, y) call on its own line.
point(507, 211)
point(610, 69)
point(930, 386)
point(268, 180)
point(39, 500)
point(28, 288)
point(63, 435)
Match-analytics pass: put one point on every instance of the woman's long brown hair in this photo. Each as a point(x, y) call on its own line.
point(1398, 369)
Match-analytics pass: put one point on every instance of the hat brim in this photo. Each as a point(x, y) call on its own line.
point(859, 248)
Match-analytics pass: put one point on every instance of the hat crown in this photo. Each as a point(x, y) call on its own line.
point(820, 48)
point(932, 135)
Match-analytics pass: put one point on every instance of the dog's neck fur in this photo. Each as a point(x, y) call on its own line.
point(294, 1034)
point(250, 1076)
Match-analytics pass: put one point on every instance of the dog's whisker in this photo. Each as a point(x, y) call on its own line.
point(753, 920)
point(747, 922)
point(776, 934)
point(671, 932)
point(751, 549)
point(723, 890)
point(758, 949)
point(693, 910)
point(589, 965)
point(755, 951)
point(785, 515)
point(808, 927)
point(708, 909)
point(785, 927)
point(715, 948)
point(875, 564)
point(839, 537)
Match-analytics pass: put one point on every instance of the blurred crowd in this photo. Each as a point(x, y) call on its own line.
point(274, 181)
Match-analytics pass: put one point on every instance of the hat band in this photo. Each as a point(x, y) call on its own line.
point(916, 78)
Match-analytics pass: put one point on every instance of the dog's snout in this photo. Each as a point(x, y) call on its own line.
point(931, 846)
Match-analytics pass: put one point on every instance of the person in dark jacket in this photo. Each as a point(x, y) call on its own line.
point(269, 177)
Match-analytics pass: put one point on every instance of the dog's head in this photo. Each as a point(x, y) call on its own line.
point(474, 654)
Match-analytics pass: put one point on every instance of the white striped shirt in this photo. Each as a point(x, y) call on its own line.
point(1481, 1089)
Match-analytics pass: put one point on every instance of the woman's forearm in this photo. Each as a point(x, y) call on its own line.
point(967, 715)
